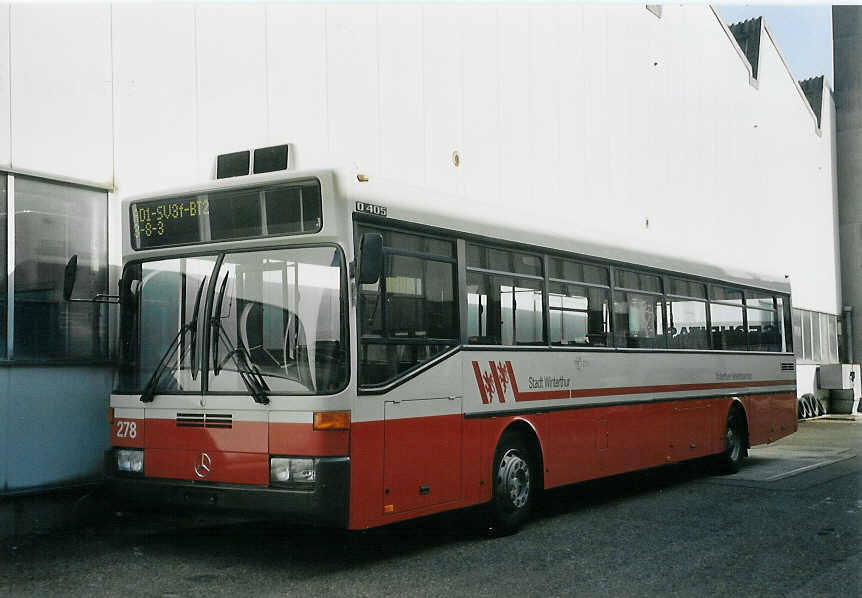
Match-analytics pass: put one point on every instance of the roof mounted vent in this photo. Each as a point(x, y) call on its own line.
point(266, 159)
point(233, 164)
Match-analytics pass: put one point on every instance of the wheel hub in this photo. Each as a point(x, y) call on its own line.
point(513, 479)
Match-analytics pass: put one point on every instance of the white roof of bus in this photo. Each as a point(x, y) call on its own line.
point(512, 223)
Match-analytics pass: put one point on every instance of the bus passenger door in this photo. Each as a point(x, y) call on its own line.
point(422, 451)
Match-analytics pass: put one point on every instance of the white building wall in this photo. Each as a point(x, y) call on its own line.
point(5, 89)
point(642, 129)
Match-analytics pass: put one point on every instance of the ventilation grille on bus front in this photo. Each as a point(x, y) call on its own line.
point(204, 420)
point(788, 366)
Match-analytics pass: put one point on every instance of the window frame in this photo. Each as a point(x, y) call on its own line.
point(363, 226)
point(462, 239)
point(10, 359)
point(543, 281)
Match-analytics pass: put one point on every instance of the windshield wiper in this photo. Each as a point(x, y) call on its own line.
point(192, 326)
point(248, 373)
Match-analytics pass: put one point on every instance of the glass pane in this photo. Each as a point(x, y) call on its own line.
point(806, 335)
point(759, 299)
point(503, 261)
point(577, 271)
point(637, 280)
point(816, 348)
point(578, 315)
point(382, 362)
point(420, 298)
point(235, 214)
point(687, 327)
point(282, 311)
point(728, 332)
point(833, 339)
point(503, 310)
point(726, 294)
point(418, 243)
point(764, 331)
point(797, 332)
point(3, 266)
point(157, 321)
point(53, 222)
point(825, 341)
point(638, 321)
point(687, 288)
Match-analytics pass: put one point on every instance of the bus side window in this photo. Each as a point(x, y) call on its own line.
point(410, 315)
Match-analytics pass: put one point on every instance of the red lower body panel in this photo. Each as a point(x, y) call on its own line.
point(576, 445)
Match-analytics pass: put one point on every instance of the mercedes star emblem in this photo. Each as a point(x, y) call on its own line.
point(203, 465)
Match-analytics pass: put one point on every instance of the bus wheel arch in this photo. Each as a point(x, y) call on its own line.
point(516, 477)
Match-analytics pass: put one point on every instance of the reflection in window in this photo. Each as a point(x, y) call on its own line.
point(419, 298)
point(165, 296)
point(579, 315)
point(282, 310)
point(411, 315)
point(3, 268)
point(293, 209)
point(53, 222)
point(764, 332)
point(638, 320)
point(728, 330)
point(503, 310)
point(687, 327)
point(488, 258)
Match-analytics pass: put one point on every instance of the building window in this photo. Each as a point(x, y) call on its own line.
point(53, 221)
point(4, 282)
point(815, 336)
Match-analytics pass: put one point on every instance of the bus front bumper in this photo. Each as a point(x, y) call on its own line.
point(326, 504)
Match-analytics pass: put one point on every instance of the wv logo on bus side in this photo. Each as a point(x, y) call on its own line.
point(496, 382)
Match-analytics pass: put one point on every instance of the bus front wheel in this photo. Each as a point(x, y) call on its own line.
point(514, 480)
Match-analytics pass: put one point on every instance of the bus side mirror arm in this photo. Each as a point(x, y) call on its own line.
point(69, 276)
point(370, 258)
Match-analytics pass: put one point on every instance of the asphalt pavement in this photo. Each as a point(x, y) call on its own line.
point(787, 525)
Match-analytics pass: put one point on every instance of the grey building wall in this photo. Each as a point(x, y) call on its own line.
point(847, 47)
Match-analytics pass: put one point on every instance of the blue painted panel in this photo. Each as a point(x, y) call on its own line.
point(4, 424)
point(56, 430)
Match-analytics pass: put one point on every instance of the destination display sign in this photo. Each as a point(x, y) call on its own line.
point(237, 214)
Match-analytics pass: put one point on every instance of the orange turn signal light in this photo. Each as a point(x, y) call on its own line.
point(110, 415)
point(331, 420)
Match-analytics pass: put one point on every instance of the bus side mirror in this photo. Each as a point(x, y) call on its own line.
point(370, 258)
point(69, 276)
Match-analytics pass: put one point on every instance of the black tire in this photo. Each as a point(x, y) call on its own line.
point(821, 408)
point(515, 484)
point(735, 444)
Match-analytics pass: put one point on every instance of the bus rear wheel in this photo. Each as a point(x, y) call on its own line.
point(735, 444)
point(514, 481)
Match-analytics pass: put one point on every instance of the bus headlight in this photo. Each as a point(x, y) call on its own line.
point(130, 460)
point(294, 471)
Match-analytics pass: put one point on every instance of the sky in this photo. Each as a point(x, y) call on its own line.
point(803, 33)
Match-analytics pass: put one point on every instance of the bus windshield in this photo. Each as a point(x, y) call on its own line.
point(274, 316)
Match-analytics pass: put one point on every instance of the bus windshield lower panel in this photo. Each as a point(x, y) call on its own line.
point(278, 313)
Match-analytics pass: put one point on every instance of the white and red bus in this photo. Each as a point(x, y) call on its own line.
point(351, 354)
